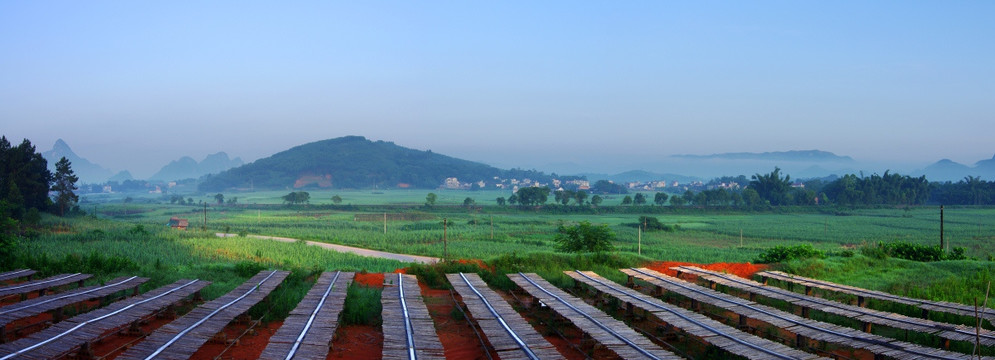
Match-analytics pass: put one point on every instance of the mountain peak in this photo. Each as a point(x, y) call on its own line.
point(61, 147)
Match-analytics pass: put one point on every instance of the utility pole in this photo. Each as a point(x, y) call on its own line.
point(385, 223)
point(205, 216)
point(639, 243)
point(492, 227)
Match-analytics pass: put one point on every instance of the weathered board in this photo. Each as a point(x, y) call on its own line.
point(939, 306)
point(609, 332)
point(180, 339)
point(508, 333)
point(41, 285)
point(17, 274)
point(308, 330)
point(800, 326)
point(408, 329)
point(865, 315)
point(701, 326)
point(52, 302)
point(67, 336)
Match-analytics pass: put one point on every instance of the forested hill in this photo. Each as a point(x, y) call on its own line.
point(352, 162)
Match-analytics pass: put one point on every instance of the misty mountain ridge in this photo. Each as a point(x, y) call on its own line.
point(353, 162)
point(87, 171)
point(792, 155)
point(188, 168)
point(641, 176)
point(949, 170)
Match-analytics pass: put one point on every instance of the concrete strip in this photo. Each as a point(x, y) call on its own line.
point(349, 249)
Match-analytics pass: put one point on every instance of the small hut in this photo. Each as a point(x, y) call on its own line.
point(178, 223)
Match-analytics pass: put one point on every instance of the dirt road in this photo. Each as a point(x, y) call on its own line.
point(350, 249)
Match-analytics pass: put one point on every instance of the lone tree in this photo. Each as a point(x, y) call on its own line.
point(336, 199)
point(627, 200)
point(430, 199)
point(64, 185)
point(220, 198)
point(640, 199)
point(501, 201)
point(468, 202)
point(596, 200)
point(585, 237)
point(297, 197)
point(660, 198)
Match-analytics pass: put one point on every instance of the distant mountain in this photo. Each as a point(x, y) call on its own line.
point(793, 155)
point(986, 168)
point(121, 176)
point(355, 162)
point(188, 168)
point(87, 171)
point(640, 176)
point(945, 170)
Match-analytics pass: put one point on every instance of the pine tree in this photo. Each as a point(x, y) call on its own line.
point(64, 184)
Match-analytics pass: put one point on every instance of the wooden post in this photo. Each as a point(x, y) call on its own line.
point(385, 223)
point(445, 244)
point(740, 237)
point(860, 301)
point(866, 326)
point(805, 312)
point(630, 282)
point(808, 290)
point(205, 217)
point(492, 227)
point(639, 241)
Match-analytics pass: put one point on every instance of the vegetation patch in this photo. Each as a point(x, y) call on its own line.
point(782, 253)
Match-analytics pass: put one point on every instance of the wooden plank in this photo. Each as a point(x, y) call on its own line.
point(44, 284)
point(43, 304)
point(710, 331)
point(940, 306)
point(507, 332)
point(64, 337)
point(798, 325)
point(180, 339)
point(609, 332)
point(16, 274)
point(424, 338)
point(871, 316)
point(316, 317)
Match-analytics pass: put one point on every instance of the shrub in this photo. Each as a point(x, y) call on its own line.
point(782, 253)
point(585, 237)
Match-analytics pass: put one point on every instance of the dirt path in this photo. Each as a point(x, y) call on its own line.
point(350, 249)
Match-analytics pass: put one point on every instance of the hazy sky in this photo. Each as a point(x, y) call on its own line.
point(134, 84)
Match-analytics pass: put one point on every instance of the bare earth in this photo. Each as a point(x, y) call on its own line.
point(350, 249)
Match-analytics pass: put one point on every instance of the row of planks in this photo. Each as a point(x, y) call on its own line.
point(804, 328)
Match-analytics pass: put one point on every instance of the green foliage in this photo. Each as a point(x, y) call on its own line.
point(362, 306)
point(784, 253)
point(24, 177)
point(772, 187)
point(64, 186)
point(914, 252)
point(248, 269)
point(608, 187)
point(649, 223)
point(430, 199)
point(585, 237)
point(294, 198)
point(532, 196)
point(639, 199)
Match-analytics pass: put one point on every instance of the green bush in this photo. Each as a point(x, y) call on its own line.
point(914, 252)
point(782, 253)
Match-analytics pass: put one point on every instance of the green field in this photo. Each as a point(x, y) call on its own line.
point(131, 238)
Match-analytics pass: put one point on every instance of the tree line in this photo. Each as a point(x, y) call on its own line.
point(25, 188)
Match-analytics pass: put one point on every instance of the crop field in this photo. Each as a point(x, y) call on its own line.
point(702, 236)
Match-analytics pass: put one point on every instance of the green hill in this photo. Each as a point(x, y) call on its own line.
point(353, 162)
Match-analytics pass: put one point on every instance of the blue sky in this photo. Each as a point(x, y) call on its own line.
point(607, 85)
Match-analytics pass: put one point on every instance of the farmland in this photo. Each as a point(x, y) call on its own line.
point(119, 237)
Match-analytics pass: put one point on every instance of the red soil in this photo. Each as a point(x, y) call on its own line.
point(357, 342)
point(455, 334)
point(369, 279)
point(249, 346)
point(744, 270)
